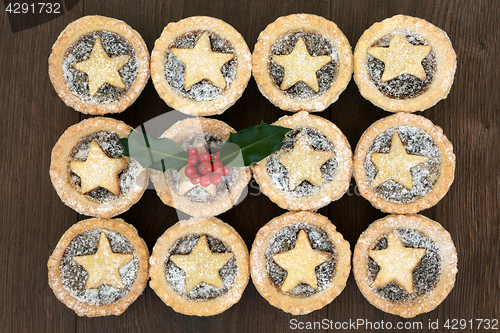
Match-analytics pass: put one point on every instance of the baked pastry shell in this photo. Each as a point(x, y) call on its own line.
point(446, 172)
point(311, 24)
point(84, 309)
point(260, 276)
point(445, 57)
point(70, 35)
point(209, 226)
point(231, 94)
point(330, 191)
point(428, 228)
point(59, 170)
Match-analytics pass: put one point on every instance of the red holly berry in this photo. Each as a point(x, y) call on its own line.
point(205, 181)
point(217, 166)
point(225, 170)
point(193, 151)
point(215, 178)
point(204, 157)
point(195, 179)
point(205, 168)
point(190, 171)
point(193, 160)
point(217, 156)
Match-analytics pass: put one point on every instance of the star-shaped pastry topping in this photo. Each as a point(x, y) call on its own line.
point(303, 162)
point(99, 170)
point(401, 57)
point(202, 63)
point(300, 263)
point(185, 183)
point(396, 164)
point(201, 265)
point(103, 266)
point(397, 263)
point(102, 69)
point(300, 66)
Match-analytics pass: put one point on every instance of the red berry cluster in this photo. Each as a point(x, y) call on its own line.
point(210, 168)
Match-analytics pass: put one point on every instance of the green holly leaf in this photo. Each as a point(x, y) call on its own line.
point(252, 144)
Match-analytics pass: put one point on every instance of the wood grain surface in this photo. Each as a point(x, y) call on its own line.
point(33, 218)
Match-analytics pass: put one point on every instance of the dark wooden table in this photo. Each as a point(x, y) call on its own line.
point(33, 218)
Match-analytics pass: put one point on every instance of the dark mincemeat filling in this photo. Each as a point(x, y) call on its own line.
point(316, 45)
point(176, 276)
point(426, 274)
point(279, 174)
point(74, 276)
point(285, 241)
point(175, 68)
point(114, 45)
point(405, 85)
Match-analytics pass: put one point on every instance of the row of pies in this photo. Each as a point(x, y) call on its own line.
point(403, 264)
point(201, 65)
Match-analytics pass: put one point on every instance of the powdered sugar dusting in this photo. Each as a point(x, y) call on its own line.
point(416, 142)
point(75, 276)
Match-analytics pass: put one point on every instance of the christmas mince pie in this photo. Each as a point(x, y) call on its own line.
point(179, 190)
point(313, 167)
point(404, 164)
point(89, 172)
point(200, 65)
point(199, 267)
point(299, 262)
point(302, 62)
point(404, 64)
point(99, 267)
point(99, 65)
point(405, 264)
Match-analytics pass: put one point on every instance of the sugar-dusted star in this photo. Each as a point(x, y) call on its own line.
point(300, 263)
point(397, 263)
point(99, 170)
point(103, 266)
point(303, 162)
point(202, 265)
point(185, 184)
point(401, 57)
point(202, 63)
point(396, 164)
point(102, 69)
point(300, 66)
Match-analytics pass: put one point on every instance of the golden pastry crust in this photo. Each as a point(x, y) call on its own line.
point(310, 24)
point(212, 227)
point(446, 168)
point(329, 190)
point(445, 66)
point(70, 35)
point(230, 94)
point(86, 309)
point(166, 188)
point(60, 170)
point(260, 275)
point(429, 228)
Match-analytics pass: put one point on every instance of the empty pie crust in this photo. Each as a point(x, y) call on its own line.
point(200, 65)
point(196, 200)
point(199, 267)
point(299, 262)
point(302, 62)
point(109, 253)
point(404, 164)
point(87, 153)
point(404, 64)
point(99, 65)
point(405, 264)
point(313, 167)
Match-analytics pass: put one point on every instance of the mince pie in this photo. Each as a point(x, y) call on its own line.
point(404, 164)
point(200, 65)
point(200, 267)
point(299, 262)
point(313, 167)
point(99, 65)
point(89, 172)
point(177, 189)
point(99, 267)
point(405, 264)
point(404, 64)
point(302, 62)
